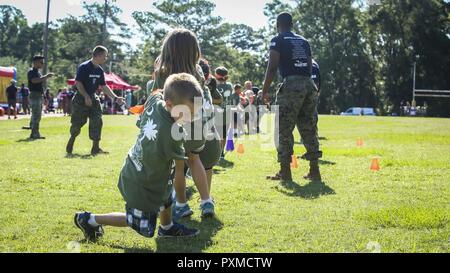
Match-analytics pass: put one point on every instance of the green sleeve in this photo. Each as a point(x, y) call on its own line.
point(173, 149)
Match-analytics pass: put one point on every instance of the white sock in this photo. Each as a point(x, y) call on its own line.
point(209, 200)
point(167, 227)
point(92, 221)
point(180, 205)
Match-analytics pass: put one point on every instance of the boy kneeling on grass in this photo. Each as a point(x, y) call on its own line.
point(145, 181)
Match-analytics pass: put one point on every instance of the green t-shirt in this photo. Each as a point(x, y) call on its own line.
point(144, 179)
point(225, 89)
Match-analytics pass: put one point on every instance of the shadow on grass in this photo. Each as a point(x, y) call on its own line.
point(208, 228)
point(26, 140)
point(130, 249)
point(190, 192)
point(312, 190)
point(86, 156)
point(326, 162)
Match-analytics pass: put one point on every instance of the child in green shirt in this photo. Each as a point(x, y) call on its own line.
point(144, 180)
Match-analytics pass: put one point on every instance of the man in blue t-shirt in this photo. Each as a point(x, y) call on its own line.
point(86, 104)
point(297, 97)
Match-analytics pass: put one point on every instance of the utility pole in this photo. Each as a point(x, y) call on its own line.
point(46, 39)
point(105, 12)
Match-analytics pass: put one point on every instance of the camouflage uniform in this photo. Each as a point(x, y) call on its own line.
point(80, 114)
point(297, 99)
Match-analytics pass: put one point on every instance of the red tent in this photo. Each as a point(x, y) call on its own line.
point(113, 81)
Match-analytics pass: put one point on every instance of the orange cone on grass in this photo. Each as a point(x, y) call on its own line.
point(359, 142)
point(294, 163)
point(375, 166)
point(240, 149)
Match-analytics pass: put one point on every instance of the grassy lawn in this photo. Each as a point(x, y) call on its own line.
point(404, 207)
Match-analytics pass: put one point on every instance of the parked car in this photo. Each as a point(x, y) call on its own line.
point(359, 111)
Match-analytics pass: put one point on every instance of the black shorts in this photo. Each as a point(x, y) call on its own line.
point(12, 103)
point(142, 222)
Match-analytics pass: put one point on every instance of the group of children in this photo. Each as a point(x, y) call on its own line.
point(181, 127)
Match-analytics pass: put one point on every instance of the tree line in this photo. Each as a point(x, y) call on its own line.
point(365, 52)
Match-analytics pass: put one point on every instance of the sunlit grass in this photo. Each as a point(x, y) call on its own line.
point(404, 207)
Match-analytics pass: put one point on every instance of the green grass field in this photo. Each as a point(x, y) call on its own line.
point(405, 207)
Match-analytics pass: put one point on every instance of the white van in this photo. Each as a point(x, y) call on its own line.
point(359, 111)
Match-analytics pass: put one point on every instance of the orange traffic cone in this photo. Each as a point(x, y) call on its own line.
point(375, 166)
point(359, 142)
point(294, 163)
point(240, 149)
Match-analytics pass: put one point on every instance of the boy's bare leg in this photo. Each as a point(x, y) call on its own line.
point(165, 217)
point(115, 219)
point(209, 174)
point(199, 175)
point(180, 182)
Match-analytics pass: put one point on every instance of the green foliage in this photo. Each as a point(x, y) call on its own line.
point(366, 53)
point(233, 46)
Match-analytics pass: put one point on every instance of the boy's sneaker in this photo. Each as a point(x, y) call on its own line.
point(207, 209)
point(90, 233)
point(177, 230)
point(180, 212)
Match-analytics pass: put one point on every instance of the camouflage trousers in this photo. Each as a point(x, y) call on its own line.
point(36, 113)
point(80, 114)
point(297, 101)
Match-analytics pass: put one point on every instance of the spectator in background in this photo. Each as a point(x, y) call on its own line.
point(65, 101)
point(59, 101)
point(128, 100)
point(25, 92)
point(51, 105)
point(143, 100)
point(250, 111)
point(11, 92)
point(260, 109)
point(70, 95)
point(235, 100)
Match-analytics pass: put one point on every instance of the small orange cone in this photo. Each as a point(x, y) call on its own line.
point(375, 166)
point(359, 142)
point(240, 149)
point(294, 163)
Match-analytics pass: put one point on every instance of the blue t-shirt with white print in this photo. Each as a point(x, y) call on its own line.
point(90, 76)
point(294, 53)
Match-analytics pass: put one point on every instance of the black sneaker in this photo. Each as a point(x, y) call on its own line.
point(177, 230)
point(90, 233)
